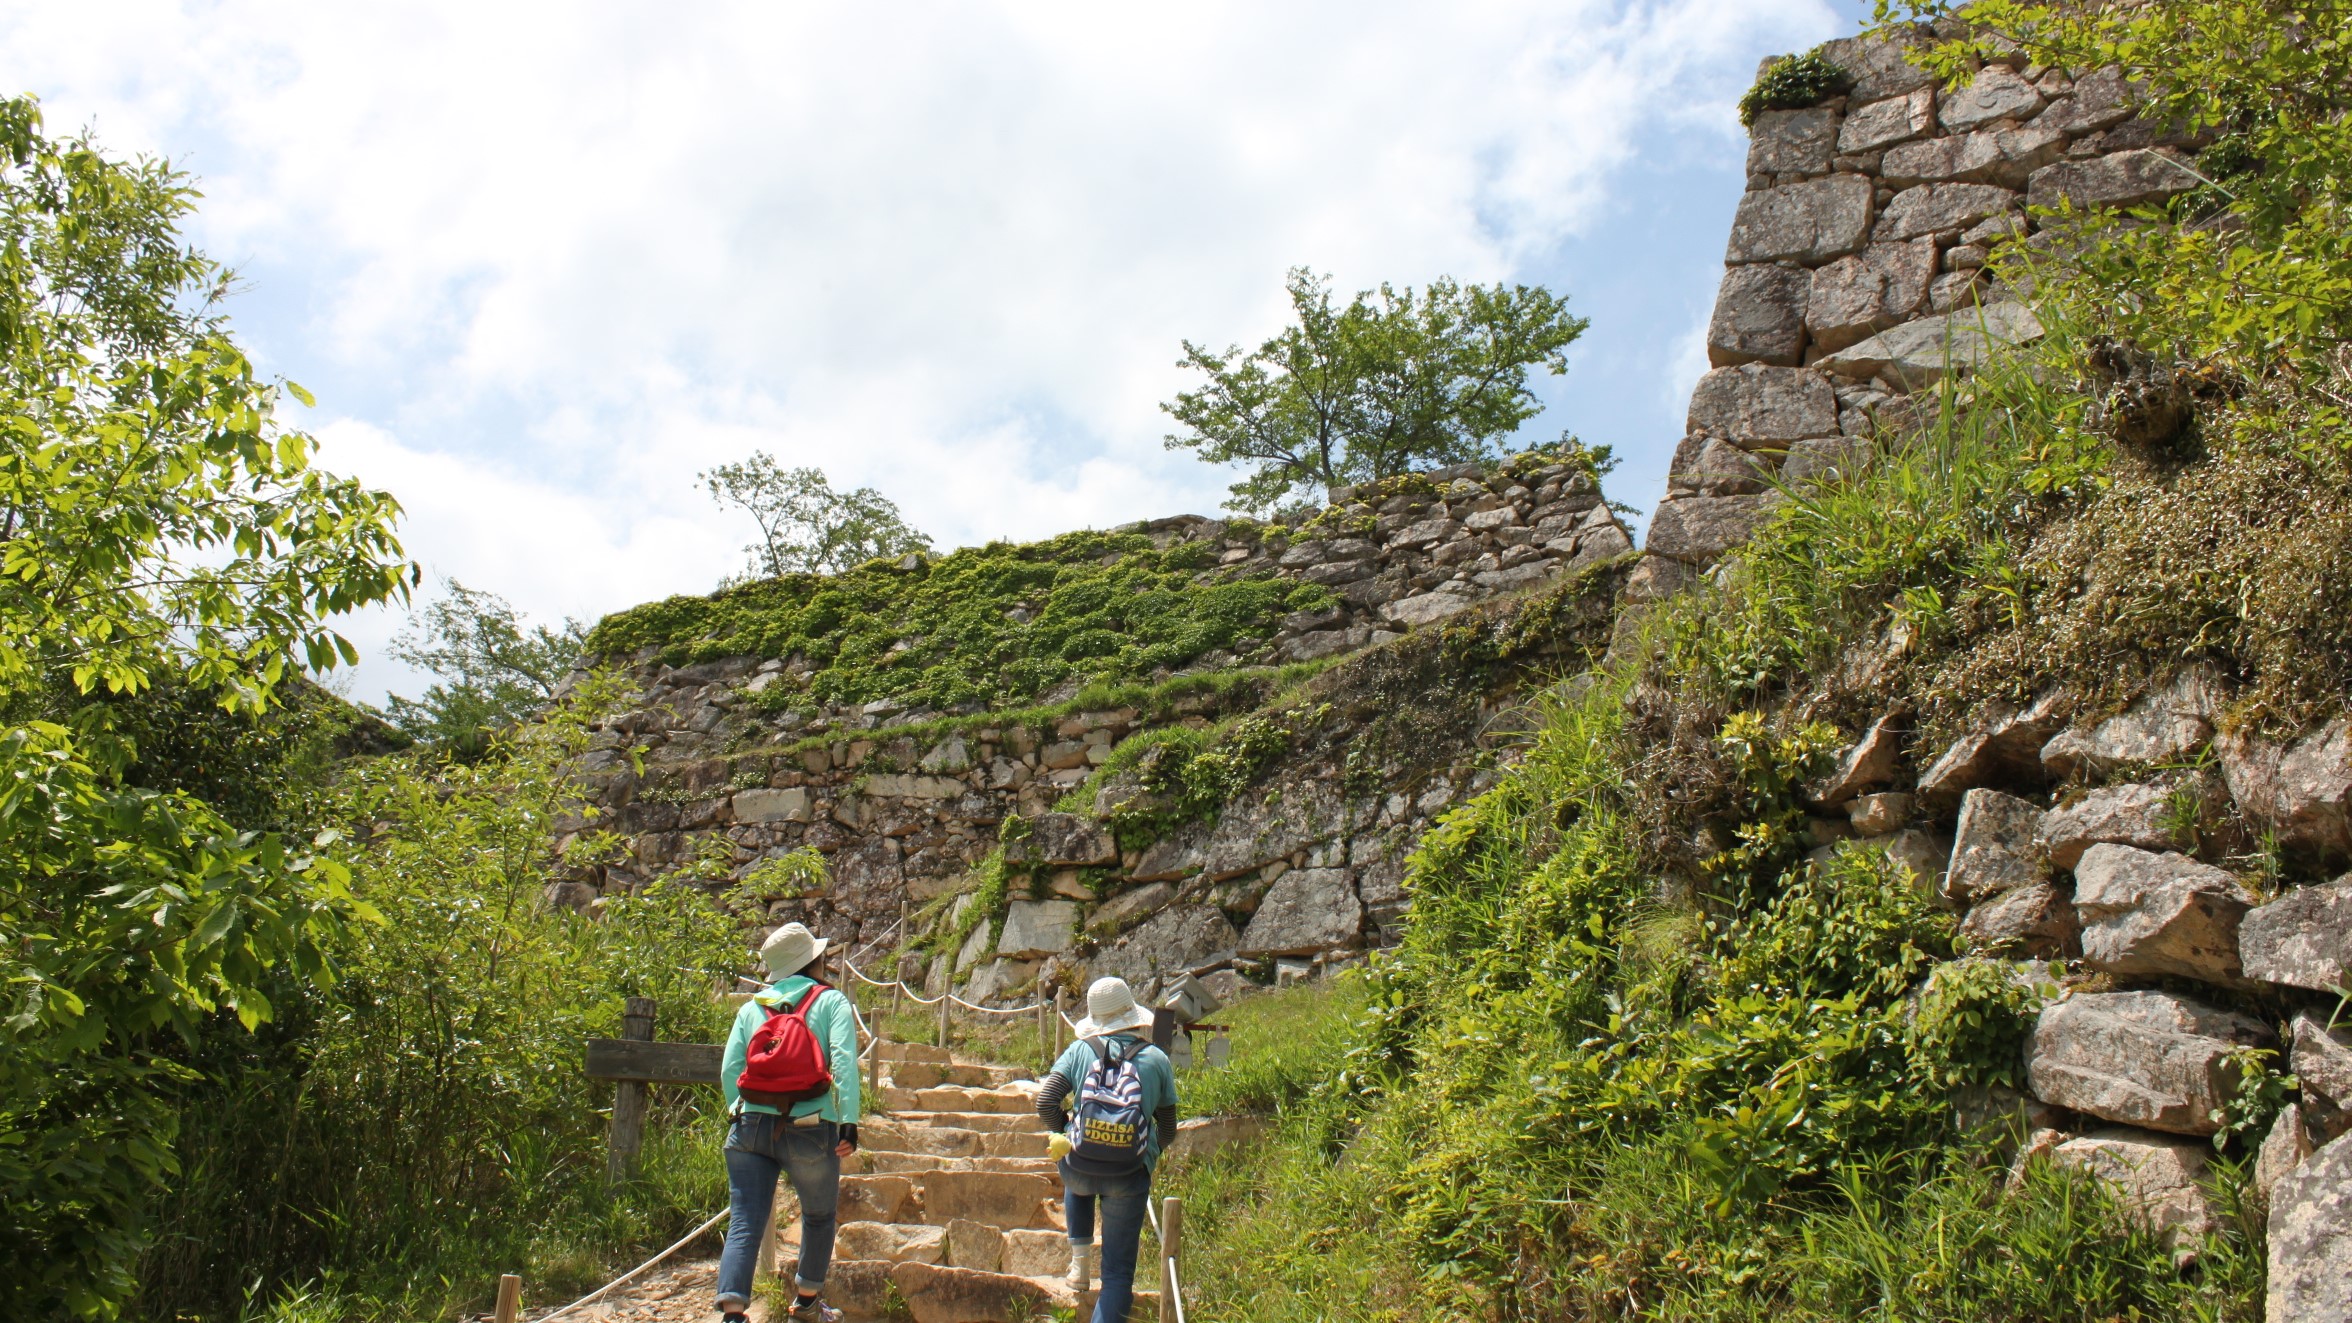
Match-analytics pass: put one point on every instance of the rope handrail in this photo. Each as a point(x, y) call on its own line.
point(631, 1275)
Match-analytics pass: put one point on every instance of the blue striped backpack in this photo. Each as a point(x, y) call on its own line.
point(1109, 1128)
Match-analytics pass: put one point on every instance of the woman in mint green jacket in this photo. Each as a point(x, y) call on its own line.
point(805, 1141)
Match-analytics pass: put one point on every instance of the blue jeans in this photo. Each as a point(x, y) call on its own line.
point(1124, 1200)
point(761, 1147)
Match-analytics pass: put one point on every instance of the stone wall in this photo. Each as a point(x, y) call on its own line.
point(1855, 273)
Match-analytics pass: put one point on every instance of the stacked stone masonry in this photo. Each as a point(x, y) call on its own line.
point(1856, 270)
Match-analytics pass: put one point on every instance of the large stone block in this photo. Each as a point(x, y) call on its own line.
point(790, 805)
point(1710, 466)
point(1759, 407)
point(2321, 1059)
point(1261, 828)
point(2301, 792)
point(1697, 530)
point(1426, 609)
point(2098, 100)
point(1759, 316)
point(2152, 1059)
point(1879, 67)
point(1810, 222)
point(1867, 764)
point(2162, 727)
point(1917, 354)
point(1992, 847)
point(1941, 209)
point(2004, 749)
point(933, 1294)
point(2311, 1240)
point(1036, 928)
point(2145, 915)
point(2303, 939)
point(1064, 840)
point(2125, 179)
point(1996, 93)
point(2032, 920)
point(1129, 906)
point(1800, 142)
point(1854, 298)
point(2006, 158)
point(2139, 815)
point(1882, 124)
point(2158, 1180)
point(1179, 937)
point(1309, 910)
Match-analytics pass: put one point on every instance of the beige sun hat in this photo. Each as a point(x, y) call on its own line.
point(791, 949)
point(1111, 1009)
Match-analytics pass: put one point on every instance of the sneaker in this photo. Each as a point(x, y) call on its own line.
point(1081, 1266)
point(813, 1310)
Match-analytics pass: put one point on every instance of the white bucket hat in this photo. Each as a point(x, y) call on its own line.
point(1111, 1008)
point(791, 949)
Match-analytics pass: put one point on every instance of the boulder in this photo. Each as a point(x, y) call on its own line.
point(2162, 727)
point(1034, 929)
point(2299, 791)
point(2004, 749)
point(2321, 1060)
point(2311, 1240)
point(2152, 1059)
point(1868, 763)
point(763, 805)
point(2303, 939)
point(1759, 407)
point(2002, 157)
point(1992, 847)
point(2123, 179)
point(1793, 142)
point(2141, 816)
point(1919, 353)
point(1179, 937)
point(1697, 530)
point(1941, 209)
point(1064, 840)
point(1809, 223)
point(1308, 910)
point(2031, 920)
point(2158, 1180)
point(1128, 906)
point(1759, 316)
point(2145, 915)
point(1881, 124)
point(1853, 298)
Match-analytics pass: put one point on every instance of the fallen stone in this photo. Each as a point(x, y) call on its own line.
point(2032, 920)
point(1699, 529)
point(2303, 939)
point(2321, 1060)
point(1793, 142)
point(1992, 847)
point(1308, 910)
point(1810, 222)
point(2159, 1181)
point(2161, 727)
point(2145, 915)
point(2124, 179)
point(1941, 209)
point(1919, 353)
point(2137, 815)
point(1759, 316)
point(2311, 1240)
point(1869, 762)
point(789, 805)
point(2300, 792)
point(2004, 750)
point(2152, 1059)
point(1882, 124)
point(1037, 928)
point(1064, 840)
point(1206, 1136)
point(1853, 298)
point(1995, 93)
point(1756, 406)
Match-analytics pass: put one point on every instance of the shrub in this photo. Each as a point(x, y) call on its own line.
point(1793, 82)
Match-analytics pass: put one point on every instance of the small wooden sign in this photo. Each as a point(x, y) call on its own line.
point(654, 1063)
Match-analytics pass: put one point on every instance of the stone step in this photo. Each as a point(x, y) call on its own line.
point(958, 1098)
point(931, 1075)
point(1004, 1199)
point(884, 1161)
point(1024, 1252)
point(990, 1122)
point(911, 1136)
point(932, 1293)
point(924, 1052)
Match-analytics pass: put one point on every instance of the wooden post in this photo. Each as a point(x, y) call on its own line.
point(1171, 1240)
point(1044, 1012)
point(628, 1114)
point(943, 995)
point(510, 1298)
point(764, 1266)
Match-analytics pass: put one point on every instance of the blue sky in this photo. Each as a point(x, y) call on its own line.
point(542, 263)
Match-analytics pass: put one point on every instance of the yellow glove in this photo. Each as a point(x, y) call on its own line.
point(1058, 1145)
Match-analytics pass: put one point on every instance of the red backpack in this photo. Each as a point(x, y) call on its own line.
point(786, 1063)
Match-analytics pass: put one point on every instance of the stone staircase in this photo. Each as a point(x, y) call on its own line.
point(951, 1211)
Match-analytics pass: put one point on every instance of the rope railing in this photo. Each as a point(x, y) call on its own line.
point(634, 1273)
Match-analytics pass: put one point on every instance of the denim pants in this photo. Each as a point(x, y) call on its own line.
point(1123, 1200)
point(759, 1148)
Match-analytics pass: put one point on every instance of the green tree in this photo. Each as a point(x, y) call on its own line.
point(495, 671)
point(157, 525)
point(1393, 380)
point(805, 526)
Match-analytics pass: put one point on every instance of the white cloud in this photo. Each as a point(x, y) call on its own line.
point(544, 261)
